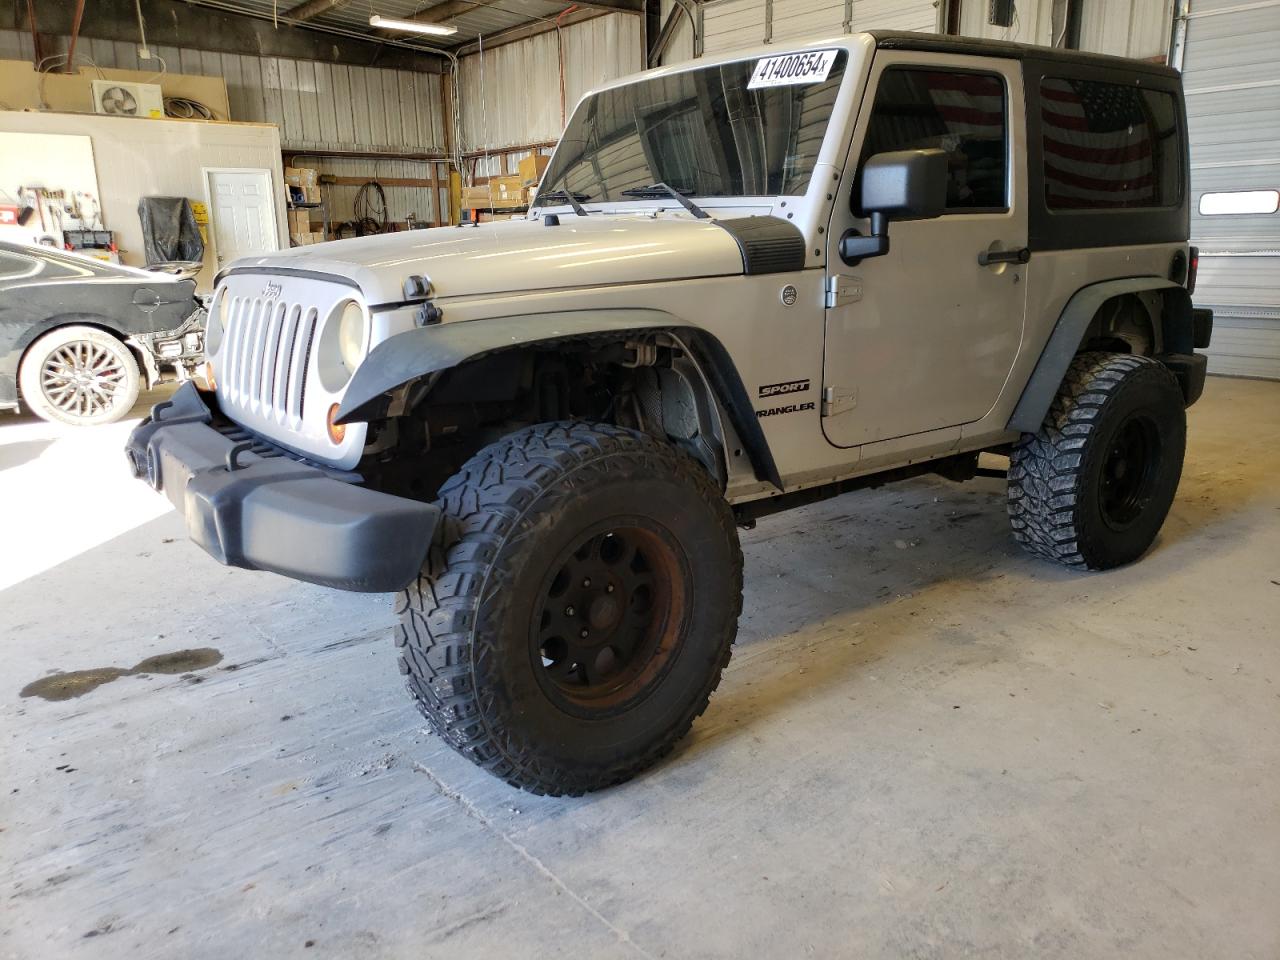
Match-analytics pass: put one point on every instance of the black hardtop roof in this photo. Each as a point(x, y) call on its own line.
point(939, 43)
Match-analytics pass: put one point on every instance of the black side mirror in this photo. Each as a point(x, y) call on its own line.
point(898, 185)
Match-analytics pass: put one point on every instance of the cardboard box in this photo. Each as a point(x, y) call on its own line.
point(506, 191)
point(473, 197)
point(532, 168)
point(299, 222)
point(311, 194)
point(301, 176)
point(501, 193)
point(317, 236)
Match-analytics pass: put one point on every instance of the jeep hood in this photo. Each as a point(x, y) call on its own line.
point(521, 255)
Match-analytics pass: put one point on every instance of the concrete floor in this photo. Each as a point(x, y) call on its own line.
point(927, 745)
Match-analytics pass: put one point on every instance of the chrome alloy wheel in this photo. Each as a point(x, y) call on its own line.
point(82, 379)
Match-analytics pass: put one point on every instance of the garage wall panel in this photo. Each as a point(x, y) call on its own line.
point(1032, 22)
point(732, 24)
point(510, 95)
point(316, 105)
point(1126, 28)
point(681, 46)
point(1233, 111)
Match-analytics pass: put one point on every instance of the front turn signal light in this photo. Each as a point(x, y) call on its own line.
point(337, 431)
point(208, 375)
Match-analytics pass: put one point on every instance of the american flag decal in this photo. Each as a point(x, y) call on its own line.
point(1101, 145)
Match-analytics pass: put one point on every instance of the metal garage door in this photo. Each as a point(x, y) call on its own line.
point(1233, 104)
point(742, 23)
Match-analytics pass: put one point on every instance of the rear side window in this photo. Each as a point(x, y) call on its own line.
point(1108, 146)
point(14, 266)
point(961, 113)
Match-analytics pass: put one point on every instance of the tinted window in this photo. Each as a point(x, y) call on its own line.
point(701, 131)
point(960, 113)
point(1108, 146)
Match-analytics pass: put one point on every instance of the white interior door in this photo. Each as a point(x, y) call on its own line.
point(242, 214)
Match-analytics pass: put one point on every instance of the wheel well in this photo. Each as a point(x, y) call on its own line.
point(650, 382)
point(1127, 323)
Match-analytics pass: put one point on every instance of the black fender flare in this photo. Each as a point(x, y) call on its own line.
point(1068, 333)
point(423, 351)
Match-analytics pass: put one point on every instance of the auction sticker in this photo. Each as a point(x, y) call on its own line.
point(812, 66)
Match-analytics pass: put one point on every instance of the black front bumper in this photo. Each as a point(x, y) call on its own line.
point(275, 513)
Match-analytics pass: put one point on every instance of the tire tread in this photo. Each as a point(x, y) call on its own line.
point(483, 506)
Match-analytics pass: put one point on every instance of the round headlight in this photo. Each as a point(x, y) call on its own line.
point(215, 323)
point(351, 335)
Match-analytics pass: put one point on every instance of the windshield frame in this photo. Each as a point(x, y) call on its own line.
point(853, 59)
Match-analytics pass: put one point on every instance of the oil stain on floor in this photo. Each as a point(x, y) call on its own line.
point(67, 686)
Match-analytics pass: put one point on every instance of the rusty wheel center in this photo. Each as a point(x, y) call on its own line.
point(610, 616)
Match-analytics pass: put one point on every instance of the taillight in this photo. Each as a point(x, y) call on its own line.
point(1193, 266)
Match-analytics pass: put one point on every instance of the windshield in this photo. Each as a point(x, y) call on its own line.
point(720, 131)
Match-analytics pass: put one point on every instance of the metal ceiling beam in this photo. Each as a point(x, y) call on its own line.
point(455, 8)
point(313, 8)
point(448, 10)
point(615, 6)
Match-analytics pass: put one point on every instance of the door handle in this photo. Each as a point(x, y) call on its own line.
point(987, 257)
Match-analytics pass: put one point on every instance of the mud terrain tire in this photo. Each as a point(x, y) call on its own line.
point(1092, 487)
point(577, 606)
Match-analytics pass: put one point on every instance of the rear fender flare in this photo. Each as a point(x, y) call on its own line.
point(422, 352)
point(1069, 332)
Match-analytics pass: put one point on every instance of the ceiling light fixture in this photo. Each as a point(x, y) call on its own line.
point(412, 26)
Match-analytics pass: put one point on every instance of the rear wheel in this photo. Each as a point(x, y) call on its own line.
point(553, 636)
point(79, 375)
point(1093, 486)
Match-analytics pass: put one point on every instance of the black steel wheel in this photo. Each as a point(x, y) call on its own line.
point(552, 636)
point(1092, 487)
point(1130, 471)
point(614, 609)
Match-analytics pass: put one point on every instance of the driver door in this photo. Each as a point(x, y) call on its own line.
point(923, 338)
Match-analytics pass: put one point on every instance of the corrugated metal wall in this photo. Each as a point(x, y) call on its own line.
point(1033, 21)
point(510, 95)
point(681, 46)
point(729, 24)
point(1233, 108)
point(317, 106)
point(1126, 28)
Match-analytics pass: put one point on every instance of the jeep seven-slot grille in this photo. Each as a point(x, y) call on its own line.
point(266, 357)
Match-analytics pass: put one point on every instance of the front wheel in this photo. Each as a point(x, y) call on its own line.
point(577, 608)
point(79, 375)
point(1092, 487)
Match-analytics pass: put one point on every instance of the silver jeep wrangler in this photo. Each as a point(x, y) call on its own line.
point(747, 283)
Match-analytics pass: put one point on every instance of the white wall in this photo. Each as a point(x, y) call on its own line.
point(137, 158)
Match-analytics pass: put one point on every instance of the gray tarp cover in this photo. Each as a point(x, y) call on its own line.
point(169, 230)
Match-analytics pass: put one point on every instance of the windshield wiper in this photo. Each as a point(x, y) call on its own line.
point(663, 190)
point(569, 196)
